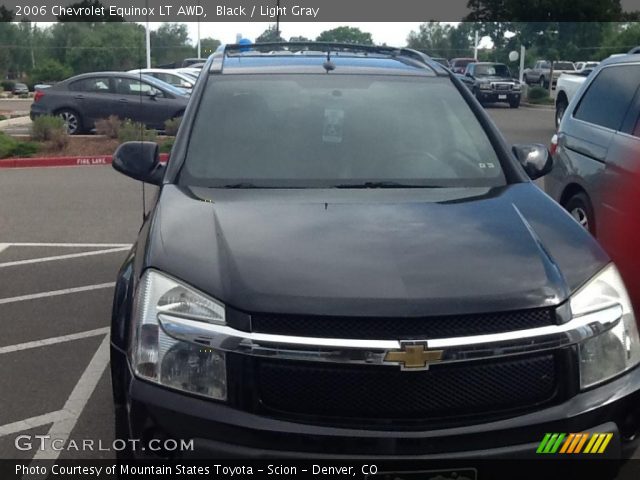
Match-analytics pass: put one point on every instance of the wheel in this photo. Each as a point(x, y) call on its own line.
point(514, 102)
point(72, 121)
point(479, 98)
point(580, 208)
point(561, 106)
point(544, 83)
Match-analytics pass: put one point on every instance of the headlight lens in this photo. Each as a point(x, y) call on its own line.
point(517, 86)
point(159, 358)
point(485, 86)
point(616, 350)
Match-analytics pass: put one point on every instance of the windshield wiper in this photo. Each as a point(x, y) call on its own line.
point(385, 185)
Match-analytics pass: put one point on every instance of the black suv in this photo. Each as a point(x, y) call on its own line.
point(491, 83)
point(345, 258)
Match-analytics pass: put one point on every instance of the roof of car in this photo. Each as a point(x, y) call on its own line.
point(623, 58)
point(343, 58)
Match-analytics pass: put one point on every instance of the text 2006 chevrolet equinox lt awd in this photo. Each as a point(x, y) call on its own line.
point(344, 258)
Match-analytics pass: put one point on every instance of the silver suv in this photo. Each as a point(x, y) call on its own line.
point(598, 141)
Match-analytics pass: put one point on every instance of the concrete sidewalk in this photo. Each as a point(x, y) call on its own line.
point(15, 122)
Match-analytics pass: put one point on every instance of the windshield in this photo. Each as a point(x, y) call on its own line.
point(300, 131)
point(564, 66)
point(492, 71)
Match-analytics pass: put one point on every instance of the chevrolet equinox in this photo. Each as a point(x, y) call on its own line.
point(344, 258)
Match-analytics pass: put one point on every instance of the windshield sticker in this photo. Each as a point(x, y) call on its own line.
point(333, 125)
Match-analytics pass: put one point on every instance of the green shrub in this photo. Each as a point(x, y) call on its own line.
point(537, 93)
point(109, 127)
point(2, 117)
point(10, 147)
point(171, 126)
point(7, 85)
point(135, 131)
point(167, 145)
point(25, 149)
point(47, 127)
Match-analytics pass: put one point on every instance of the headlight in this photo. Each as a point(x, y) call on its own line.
point(159, 358)
point(616, 350)
point(517, 86)
point(485, 86)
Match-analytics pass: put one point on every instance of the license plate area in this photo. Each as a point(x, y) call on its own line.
point(502, 97)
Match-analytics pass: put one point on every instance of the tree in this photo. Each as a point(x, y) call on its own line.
point(432, 38)
point(50, 70)
point(346, 35)
point(170, 44)
point(6, 15)
point(299, 39)
point(271, 34)
point(209, 45)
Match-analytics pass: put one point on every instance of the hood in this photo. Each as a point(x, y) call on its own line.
point(373, 252)
point(495, 78)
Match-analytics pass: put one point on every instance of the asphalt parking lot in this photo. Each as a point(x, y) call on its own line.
point(64, 233)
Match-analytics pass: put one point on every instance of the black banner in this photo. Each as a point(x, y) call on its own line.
point(559, 468)
point(319, 10)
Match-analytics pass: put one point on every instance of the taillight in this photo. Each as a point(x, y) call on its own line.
point(553, 146)
point(38, 95)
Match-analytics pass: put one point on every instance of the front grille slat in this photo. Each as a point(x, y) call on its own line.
point(316, 390)
point(399, 328)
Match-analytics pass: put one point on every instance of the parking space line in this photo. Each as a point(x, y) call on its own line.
point(33, 422)
point(70, 245)
point(53, 293)
point(62, 257)
point(54, 340)
point(62, 428)
point(4, 246)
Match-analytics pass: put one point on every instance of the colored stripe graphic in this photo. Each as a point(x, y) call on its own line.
point(573, 443)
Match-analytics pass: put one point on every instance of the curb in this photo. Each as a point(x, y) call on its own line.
point(86, 161)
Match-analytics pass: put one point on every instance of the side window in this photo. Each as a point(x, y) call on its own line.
point(91, 85)
point(609, 96)
point(471, 69)
point(128, 86)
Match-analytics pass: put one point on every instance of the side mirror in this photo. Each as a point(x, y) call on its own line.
point(140, 161)
point(535, 158)
point(152, 94)
point(468, 74)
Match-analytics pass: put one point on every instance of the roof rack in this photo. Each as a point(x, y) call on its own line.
point(407, 55)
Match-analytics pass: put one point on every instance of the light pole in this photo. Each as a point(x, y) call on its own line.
point(199, 55)
point(148, 36)
point(278, 18)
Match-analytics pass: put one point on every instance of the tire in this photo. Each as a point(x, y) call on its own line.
point(477, 95)
point(561, 107)
point(580, 208)
point(72, 121)
point(514, 103)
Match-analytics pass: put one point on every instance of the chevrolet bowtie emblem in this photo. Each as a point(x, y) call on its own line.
point(414, 357)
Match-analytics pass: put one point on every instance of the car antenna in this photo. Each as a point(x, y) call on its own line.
point(328, 65)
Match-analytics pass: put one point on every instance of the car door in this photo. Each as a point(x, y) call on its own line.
point(92, 98)
point(623, 158)
point(142, 102)
point(590, 155)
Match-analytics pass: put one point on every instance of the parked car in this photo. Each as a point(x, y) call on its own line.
point(83, 99)
point(566, 87)
point(19, 88)
point(598, 141)
point(458, 65)
point(172, 77)
point(355, 263)
point(580, 66)
point(541, 72)
point(492, 82)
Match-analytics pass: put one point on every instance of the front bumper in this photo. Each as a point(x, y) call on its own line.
point(219, 431)
point(494, 96)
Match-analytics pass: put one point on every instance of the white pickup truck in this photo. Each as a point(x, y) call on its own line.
point(566, 87)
